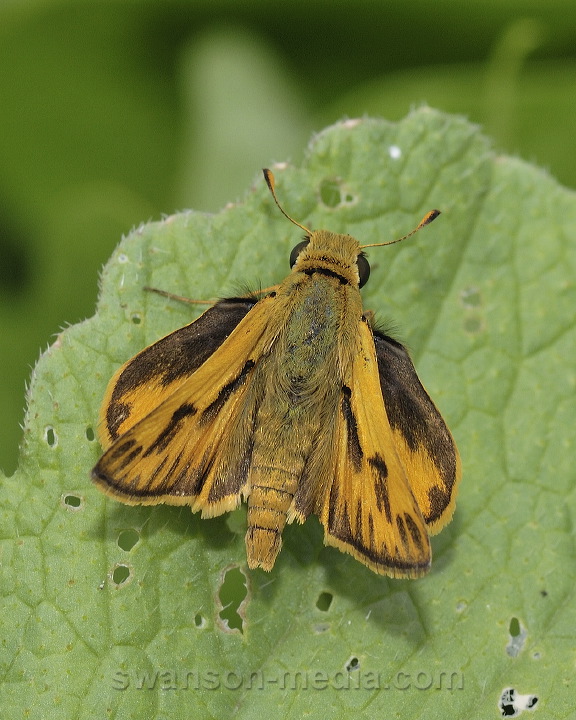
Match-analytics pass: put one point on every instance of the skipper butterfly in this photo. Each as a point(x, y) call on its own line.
point(295, 403)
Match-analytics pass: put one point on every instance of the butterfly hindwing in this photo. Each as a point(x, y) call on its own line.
point(194, 446)
point(423, 441)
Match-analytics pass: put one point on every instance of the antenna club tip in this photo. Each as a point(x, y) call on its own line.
point(432, 215)
point(269, 177)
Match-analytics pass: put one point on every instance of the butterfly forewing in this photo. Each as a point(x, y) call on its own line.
point(192, 448)
point(156, 372)
point(368, 509)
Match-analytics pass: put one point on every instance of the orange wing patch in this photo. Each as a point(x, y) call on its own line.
point(156, 372)
point(369, 509)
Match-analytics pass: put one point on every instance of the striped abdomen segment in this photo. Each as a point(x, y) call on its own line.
point(272, 491)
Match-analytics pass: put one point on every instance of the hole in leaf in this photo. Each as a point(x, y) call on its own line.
point(395, 152)
point(90, 434)
point(512, 703)
point(517, 638)
point(324, 601)
point(127, 539)
point(514, 628)
point(120, 574)
point(72, 502)
point(50, 436)
point(136, 318)
point(353, 664)
point(233, 591)
point(330, 193)
point(199, 620)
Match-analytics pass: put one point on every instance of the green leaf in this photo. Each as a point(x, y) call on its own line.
point(118, 611)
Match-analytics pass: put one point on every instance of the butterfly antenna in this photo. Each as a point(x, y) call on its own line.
point(269, 177)
point(426, 220)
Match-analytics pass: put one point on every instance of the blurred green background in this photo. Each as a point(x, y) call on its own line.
point(114, 113)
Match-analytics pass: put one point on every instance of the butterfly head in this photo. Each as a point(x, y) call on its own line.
point(331, 254)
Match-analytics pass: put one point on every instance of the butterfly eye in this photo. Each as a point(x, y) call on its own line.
point(363, 269)
point(297, 250)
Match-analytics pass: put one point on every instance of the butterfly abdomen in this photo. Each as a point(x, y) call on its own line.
point(281, 447)
point(271, 495)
